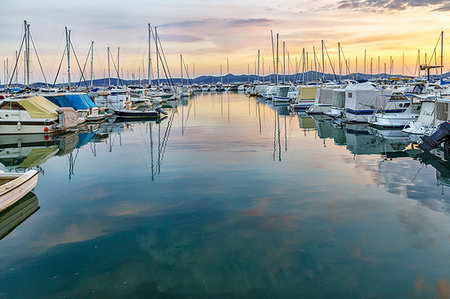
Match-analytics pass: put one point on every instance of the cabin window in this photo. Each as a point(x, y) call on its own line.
point(398, 98)
point(350, 95)
point(441, 111)
point(406, 105)
point(11, 106)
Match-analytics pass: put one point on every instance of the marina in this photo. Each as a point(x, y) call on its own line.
point(229, 190)
point(246, 149)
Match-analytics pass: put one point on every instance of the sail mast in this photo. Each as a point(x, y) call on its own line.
point(278, 35)
point(92, 64)
point(109, 69)
point(442, 56)
point(284, 62)
point(118, 68)
point(157, 53)
point(68, 56)
point(149, 55)
point(181, 66)
point(340, 65)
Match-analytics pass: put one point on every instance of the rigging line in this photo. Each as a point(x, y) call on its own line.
point(115, 67)
point(84, 67)
point(78, 63)
point(166, 135)
point(17, 61)
point(346, 64)
point(187, 73)
point(434, 51)
point(165, 61)
point(187, 117)
point(60, 64)
point(39, 61)
point(329, 60)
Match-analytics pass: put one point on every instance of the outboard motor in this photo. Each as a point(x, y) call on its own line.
point(433, 141)
point(161, 111)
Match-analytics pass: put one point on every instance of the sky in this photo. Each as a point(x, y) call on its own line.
point(207, 33)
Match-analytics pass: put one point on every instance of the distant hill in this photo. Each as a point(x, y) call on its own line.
point(232, 79)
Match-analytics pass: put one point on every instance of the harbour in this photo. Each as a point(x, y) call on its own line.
point(250, 209)
point(246, 149)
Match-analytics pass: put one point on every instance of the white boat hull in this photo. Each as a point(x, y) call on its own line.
point(25, 127)
point(14, 190)
point(391, 120)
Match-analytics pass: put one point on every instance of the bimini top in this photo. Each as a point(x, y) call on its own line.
point(77, 101)
point(37, 107)
point(307, 93)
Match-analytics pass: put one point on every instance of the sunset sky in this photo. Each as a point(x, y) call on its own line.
point(209, 32)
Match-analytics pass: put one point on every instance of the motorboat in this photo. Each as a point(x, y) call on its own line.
point(35, 115)
point(397, 113)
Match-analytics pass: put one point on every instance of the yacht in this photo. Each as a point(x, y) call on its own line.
point(338, 104)
point(362, 100)
point(397, 113)
point(34, 115)
point(323, 101)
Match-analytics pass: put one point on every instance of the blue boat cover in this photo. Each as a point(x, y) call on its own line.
point(84, 138)
point(76, 101)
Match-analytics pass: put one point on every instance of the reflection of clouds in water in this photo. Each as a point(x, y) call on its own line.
point(414, 180)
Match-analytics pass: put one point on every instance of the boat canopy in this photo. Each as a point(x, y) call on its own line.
point(338, 98)
point(324, 96)
point(442, 110)
point(426, 114)
point(39, 107)
point(307, 93)
point(77, 101)
point(365, 96)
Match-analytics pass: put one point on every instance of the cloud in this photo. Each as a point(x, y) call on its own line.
point(382, 5)
point(221, 22)
point(181, 38)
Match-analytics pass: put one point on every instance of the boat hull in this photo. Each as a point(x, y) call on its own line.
point(26, 127)
point(136, 114)
point(14, 190)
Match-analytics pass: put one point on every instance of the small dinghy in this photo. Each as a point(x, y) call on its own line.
point(14, 186)
point(140, 114)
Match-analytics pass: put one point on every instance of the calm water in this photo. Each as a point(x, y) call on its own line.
point(229, 197)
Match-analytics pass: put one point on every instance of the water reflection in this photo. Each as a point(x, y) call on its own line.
point(231, 197)
point(17, 214)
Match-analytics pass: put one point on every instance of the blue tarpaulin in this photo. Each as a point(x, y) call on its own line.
point(84, 138)
point(76, 101)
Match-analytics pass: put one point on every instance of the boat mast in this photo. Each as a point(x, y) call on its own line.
point(323, 62)
point(92, 64)
point(284, 62)
point(181, 66)
point(27, 43)
point(68, 56)
point(118, 68)
point(149, 54)
point(365, 53)
point(262, 69)
point(221, 79)
point(442, 56)
point(258, 63)
point(418, 62)
point(278, 35)
point(273, 54)
point(228, 71)
point(157, 53)
point(340, 65)
point(303, 66)
point(109, 69)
